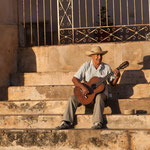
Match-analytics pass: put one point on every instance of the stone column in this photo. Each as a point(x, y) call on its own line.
point(8, 40)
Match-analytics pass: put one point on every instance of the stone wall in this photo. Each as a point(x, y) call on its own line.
point(8, 39)
point(70, 57)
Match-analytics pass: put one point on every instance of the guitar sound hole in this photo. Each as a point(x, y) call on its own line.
point(93, 86)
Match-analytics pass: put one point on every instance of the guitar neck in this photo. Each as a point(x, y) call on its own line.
point(104, 79)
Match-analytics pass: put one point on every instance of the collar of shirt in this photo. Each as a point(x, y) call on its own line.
point(100, 66)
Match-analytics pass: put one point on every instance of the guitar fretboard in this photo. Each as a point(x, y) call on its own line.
point(104, 79)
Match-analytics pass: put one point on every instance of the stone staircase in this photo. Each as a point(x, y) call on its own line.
point(38, 96)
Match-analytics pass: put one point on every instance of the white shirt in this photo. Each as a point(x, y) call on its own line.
point(88, 70)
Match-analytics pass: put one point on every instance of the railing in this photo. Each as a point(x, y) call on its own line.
point(38, 22)
point(51, 22)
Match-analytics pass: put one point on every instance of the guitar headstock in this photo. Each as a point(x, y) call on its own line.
point(123, 65)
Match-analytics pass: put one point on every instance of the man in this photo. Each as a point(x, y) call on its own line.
point(95, 67)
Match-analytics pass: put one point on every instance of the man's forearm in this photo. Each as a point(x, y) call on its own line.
point(77, 82)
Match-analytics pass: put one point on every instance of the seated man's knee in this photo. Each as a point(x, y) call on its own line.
point(101, 97)
point(73, 99)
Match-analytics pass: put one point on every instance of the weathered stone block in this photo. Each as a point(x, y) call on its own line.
point(81, 122)
point(65, 78)
point(46, 92)
point(71, 57)
point(74, 139)
point(57, 106)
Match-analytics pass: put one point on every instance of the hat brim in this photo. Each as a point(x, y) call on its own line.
point(89, 53)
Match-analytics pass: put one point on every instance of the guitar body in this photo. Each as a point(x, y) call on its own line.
point(93, 90)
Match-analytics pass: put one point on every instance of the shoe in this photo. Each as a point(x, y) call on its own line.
point(64, 125)
point(97, 126)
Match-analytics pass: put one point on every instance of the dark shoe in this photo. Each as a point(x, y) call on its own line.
point(97, 126)
point(64, 125)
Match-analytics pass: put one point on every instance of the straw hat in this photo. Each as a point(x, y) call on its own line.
point(96, 50)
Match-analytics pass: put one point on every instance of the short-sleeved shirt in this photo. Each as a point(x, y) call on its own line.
point(88, 70)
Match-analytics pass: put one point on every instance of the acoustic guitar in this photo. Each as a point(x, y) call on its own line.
point(95, 85)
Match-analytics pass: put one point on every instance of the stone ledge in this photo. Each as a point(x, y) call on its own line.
point(71, 57)
point(54, 106)
point(65, 78)
point(75, 139)
point(122, 91)
point(82, 121)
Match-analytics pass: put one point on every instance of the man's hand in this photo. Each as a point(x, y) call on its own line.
point(117, 76)
point(117, 73)
point(77, 83)
point(85, 91)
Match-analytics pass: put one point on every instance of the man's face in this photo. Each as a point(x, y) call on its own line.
point(97, 59)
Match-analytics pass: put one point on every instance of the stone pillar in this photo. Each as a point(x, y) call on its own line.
point(8, 40)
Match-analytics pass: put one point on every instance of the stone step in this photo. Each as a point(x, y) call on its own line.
point(122, 91)
point(50, 78)
point(69, 139)
point(70, 57)
point(82, 121)
point(84, 139)
point(65, 78)
point(141, 106)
